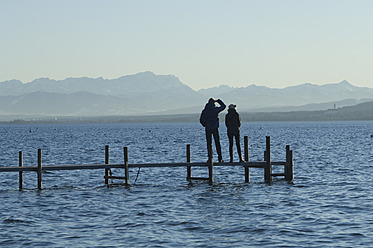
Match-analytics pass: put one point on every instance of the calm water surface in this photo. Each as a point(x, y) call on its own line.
point(329, 203)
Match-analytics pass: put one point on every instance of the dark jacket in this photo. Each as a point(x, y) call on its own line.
point(210, 115)
point(233, 122)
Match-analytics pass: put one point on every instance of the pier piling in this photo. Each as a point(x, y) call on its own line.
point(107, 162)
point(39, 170)
point(268, 166)
point(189, 168)
point(210, 165)
point(20, 173)
point(126, 170)
point(246, 152)
point(289, 164)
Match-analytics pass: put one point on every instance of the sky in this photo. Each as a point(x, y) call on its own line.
point(205, 43)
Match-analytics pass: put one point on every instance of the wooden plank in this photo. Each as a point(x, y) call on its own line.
point(200, 178)
point(17, 169)
point(252, 164)
point(116, 177)
point(82, 167)
point(278, 174)
point(278, 163)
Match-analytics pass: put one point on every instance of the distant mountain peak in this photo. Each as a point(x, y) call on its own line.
point(345, 82)
point(12, 82)
point(147, 72)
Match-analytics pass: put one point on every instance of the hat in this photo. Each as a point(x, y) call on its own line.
point(232, 106)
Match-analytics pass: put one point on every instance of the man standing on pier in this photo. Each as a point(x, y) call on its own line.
point(210, 120)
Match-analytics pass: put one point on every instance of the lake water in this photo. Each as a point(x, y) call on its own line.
point(329, 203)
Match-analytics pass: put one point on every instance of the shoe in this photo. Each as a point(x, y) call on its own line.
point(231, 161)
point(221, 161)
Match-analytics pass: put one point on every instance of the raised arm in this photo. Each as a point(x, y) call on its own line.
point(222, 105)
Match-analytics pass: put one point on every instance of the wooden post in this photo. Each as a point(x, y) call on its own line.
point(291, 167)
point(210, 165)
point(126, 172)
point(39, 169)
point(20, 164)
point(189, 168)
point(107, 162)
point(246, 148)
point(246, 152)
point(289, 164)
point(268, 167)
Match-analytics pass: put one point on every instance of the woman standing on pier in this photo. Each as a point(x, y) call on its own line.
point(233, 123)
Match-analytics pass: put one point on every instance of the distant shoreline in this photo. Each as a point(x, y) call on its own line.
point(361, 112)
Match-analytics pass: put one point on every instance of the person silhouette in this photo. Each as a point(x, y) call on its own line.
point(210, 120)
point(233, 124)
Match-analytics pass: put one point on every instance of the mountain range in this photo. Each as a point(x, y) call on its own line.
point(149, 94)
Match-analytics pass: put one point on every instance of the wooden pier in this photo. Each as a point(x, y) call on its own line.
point(266, 164)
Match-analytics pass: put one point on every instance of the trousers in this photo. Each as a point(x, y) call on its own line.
point(238, 145)
point(209, 134)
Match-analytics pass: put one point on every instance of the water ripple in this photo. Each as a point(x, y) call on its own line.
point(327, 205)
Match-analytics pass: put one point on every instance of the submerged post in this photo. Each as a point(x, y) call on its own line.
point(289, 164)
point(189, 168)
point(107, 162)
point(126, 172)
point(246, 152)
point(210, 165)
point(268, 167)
point(20, 164)
point(39, 169)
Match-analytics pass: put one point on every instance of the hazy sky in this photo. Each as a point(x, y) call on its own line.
point(205, 43)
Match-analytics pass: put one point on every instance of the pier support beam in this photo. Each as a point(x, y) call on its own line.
point(246, 153)
point(107, 162)
point(210, 165)
point(289, 164)
point(20, 164)
point(126, 172)
point(39, 170)
point(268, 167)
point(189, 168)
